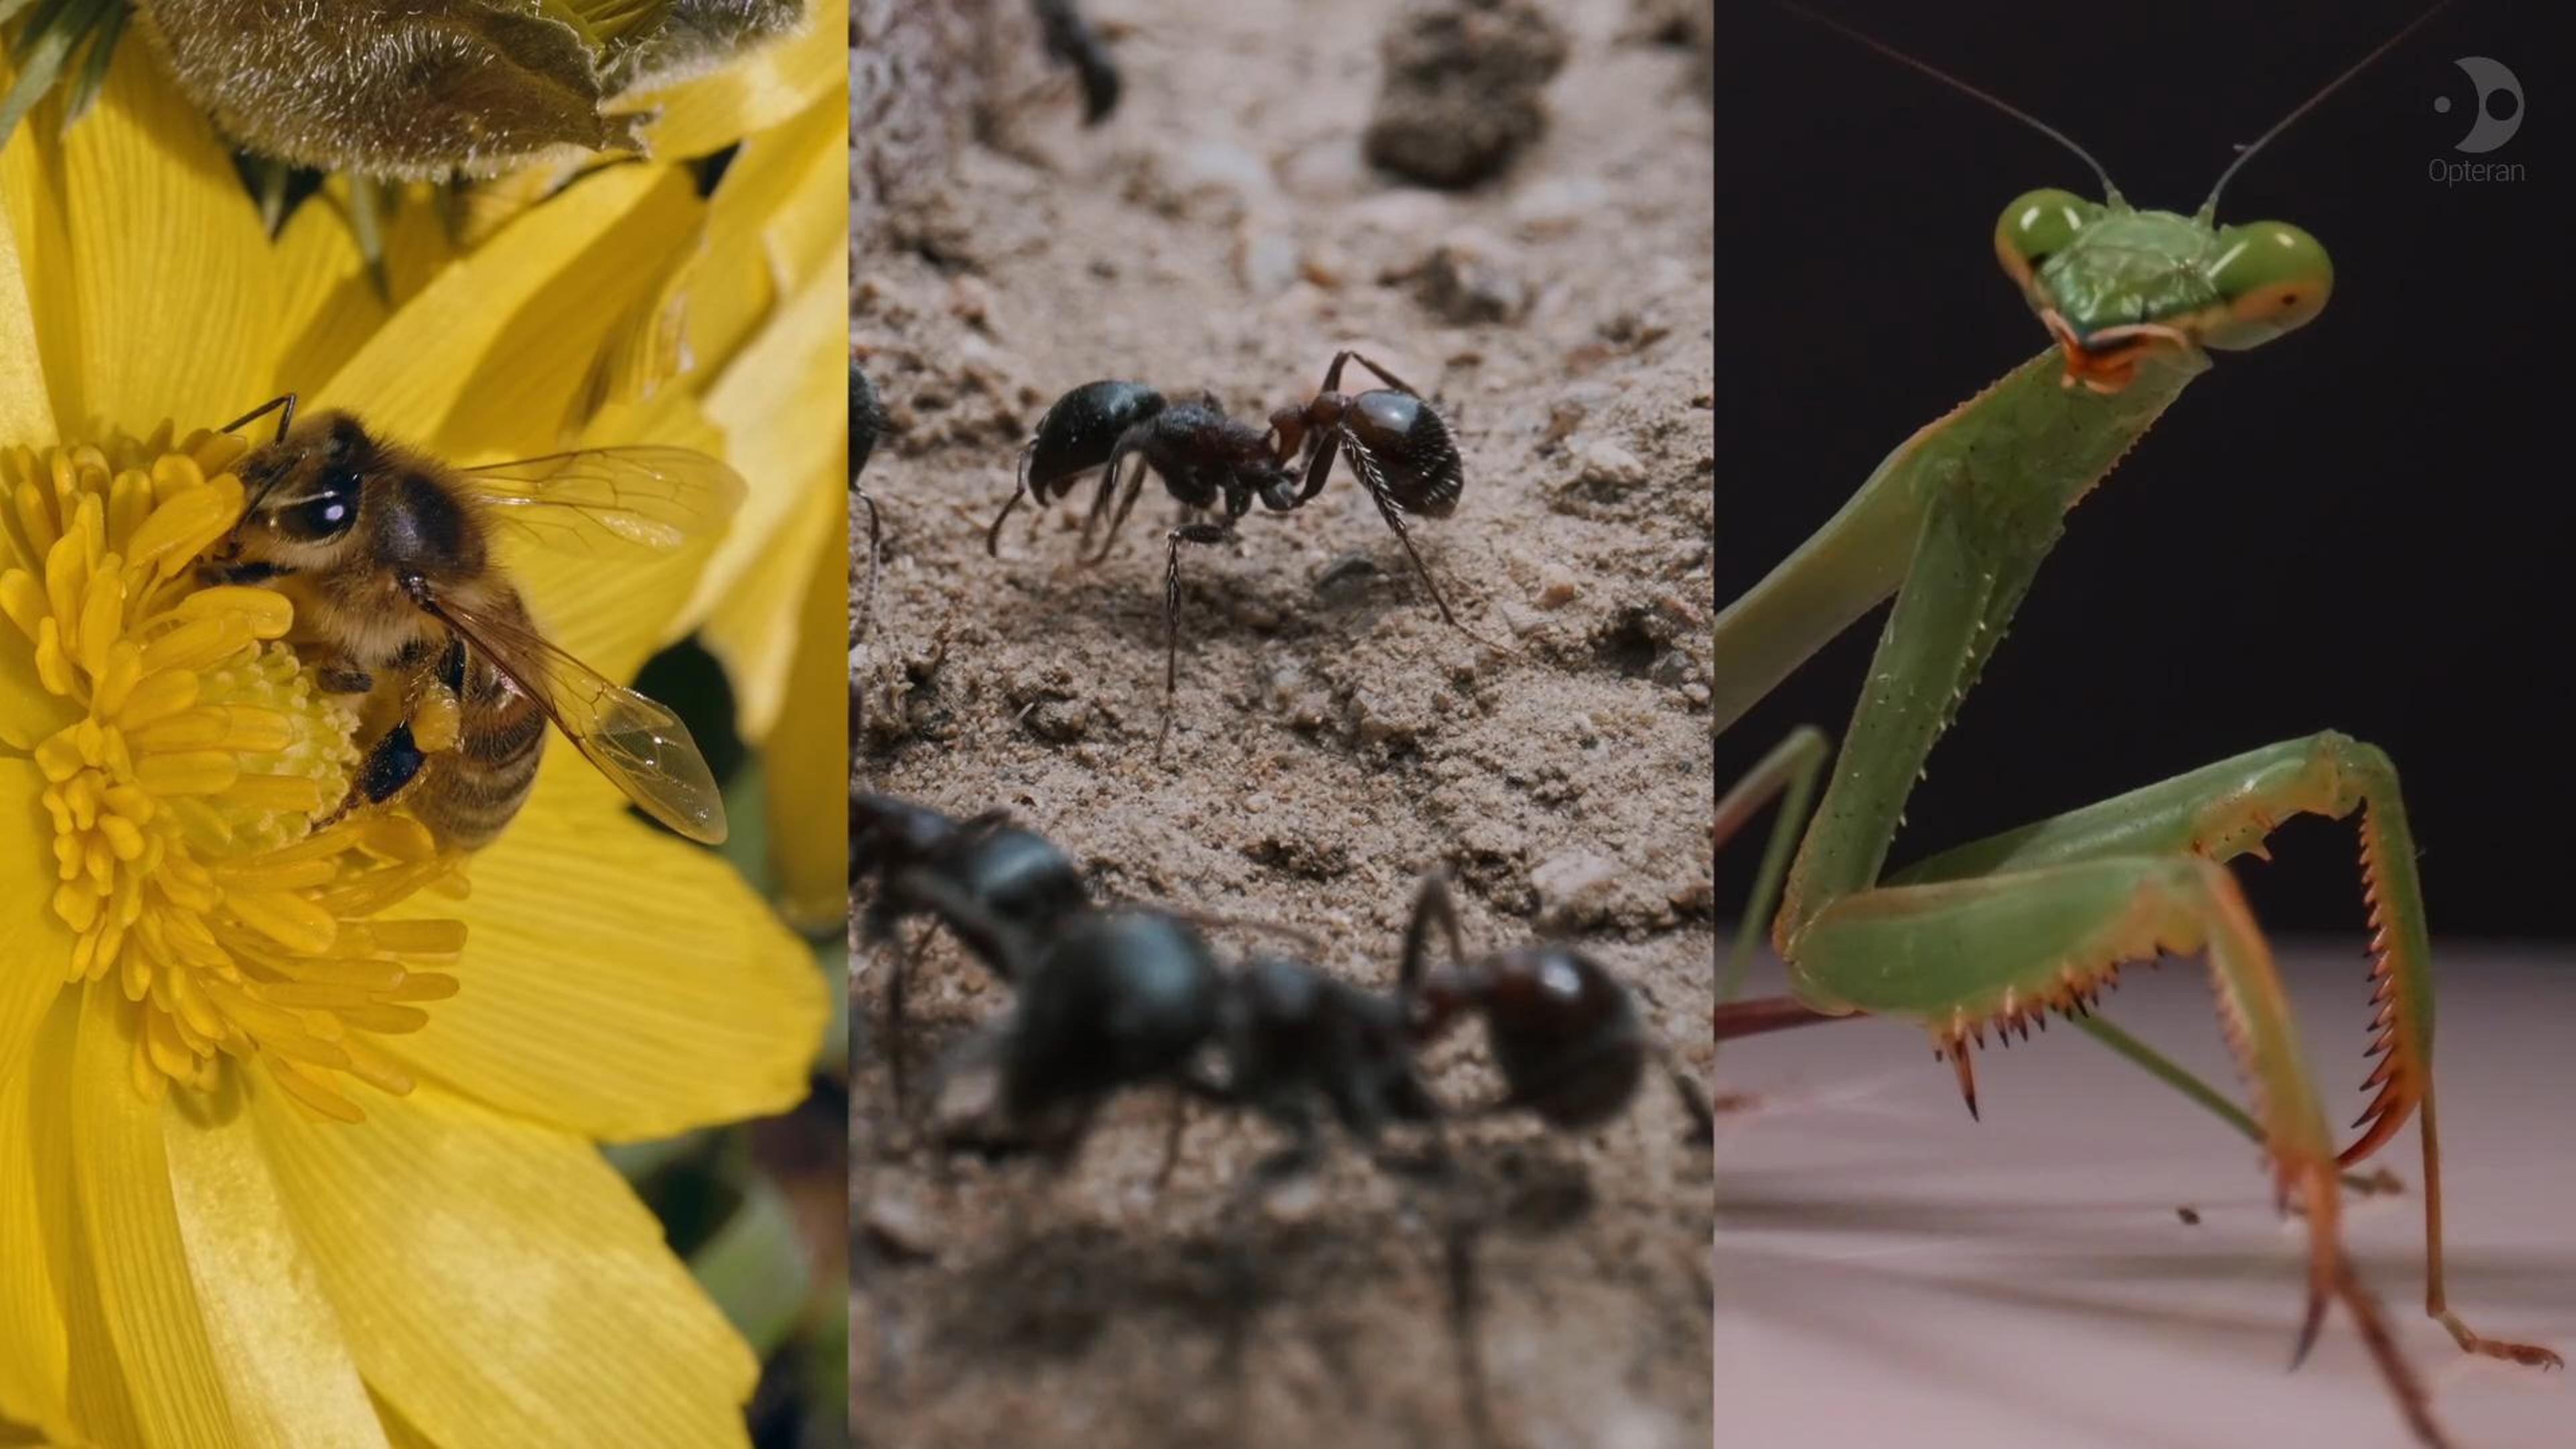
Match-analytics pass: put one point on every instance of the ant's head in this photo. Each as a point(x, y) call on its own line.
point(1563, 1030)
point(887, 834)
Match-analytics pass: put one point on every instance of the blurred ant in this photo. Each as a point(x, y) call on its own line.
point(1135, 997)
point(1004, 892)
point(1071, 40)
point(1398, 446)
point(867, 421)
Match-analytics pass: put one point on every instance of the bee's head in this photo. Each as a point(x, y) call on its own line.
point(302, 496)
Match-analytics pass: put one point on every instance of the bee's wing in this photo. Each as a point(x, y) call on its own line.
point(640, 746)
point(610, 498)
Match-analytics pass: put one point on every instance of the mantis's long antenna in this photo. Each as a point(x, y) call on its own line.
point(2110, 193)
point(2209, 208)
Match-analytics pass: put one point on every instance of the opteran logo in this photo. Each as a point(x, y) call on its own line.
point(2499, 104)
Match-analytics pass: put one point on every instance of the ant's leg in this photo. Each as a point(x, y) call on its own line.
point(1126, 505)
point(1431, 906)
point(1002, 947)
point(868, 600)
point(1319, 467)
point(1461, 1221)
point(1172, 1139)
point(1082, 551)
point(1186, 533)
point(1333, 374)
point(1703, 1128)
point(1366, 466)
point(896, 978)
point(1458, 1232)
point(993, 535)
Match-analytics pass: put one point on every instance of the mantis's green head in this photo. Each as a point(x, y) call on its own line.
point(2115, 285)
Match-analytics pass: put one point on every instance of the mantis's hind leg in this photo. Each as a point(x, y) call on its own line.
point(2230, 809)
point(1960, 956)
point(1789, 772)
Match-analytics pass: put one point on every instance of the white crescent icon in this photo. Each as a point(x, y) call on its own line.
point(2490, 76)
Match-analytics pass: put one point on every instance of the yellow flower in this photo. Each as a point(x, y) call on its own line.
point(296, 1127)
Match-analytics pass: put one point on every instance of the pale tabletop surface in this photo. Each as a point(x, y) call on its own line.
point(1891, 1273)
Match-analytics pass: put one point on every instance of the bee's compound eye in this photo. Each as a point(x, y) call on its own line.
point(327, 510)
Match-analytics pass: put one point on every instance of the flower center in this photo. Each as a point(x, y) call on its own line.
point(192, 759)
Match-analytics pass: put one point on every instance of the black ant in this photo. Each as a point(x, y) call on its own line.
point(1399, 447)
point(1003, 891)
point(1135, 997)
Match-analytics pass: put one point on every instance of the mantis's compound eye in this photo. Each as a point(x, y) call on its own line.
point(2038, 225)
point(2271, 278)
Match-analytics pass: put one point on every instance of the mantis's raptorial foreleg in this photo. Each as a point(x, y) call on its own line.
point(2230, 809)
point(1961, 955)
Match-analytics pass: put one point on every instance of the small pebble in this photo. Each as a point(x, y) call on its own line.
point(1575, 887)
point(1558, 204)
point(1265, 261)
point(1604, 464)
point(1556, 587)
point(1469, 278)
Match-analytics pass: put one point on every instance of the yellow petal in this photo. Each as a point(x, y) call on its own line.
point(755, 627)
point(35, 1211)
point(808, 752)
point(31, 168)
point(752, 94)
point(276, 1340)
point(329, 306)
point(26, 408)
point(500, 1284)
point(527, 307)
point(619, 983)
point(145, 1300)
point(420, 238)
point(35, 946)
point(780, 406)
point(170, 266)
point(780, 216)
point(539, 382)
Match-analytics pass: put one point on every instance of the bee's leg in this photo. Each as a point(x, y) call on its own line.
point(334, 670)
point(432, 724)
point(436, 713)
point(389, 765)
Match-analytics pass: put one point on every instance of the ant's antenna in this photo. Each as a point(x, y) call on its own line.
point(2209, 208)
point(2110, 193)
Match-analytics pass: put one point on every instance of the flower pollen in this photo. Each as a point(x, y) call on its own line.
point(192, 759)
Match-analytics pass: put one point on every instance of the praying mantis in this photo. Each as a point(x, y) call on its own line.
point(1955, 524)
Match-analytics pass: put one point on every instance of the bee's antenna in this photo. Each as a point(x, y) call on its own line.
point(2110, 193)
point(283, 405)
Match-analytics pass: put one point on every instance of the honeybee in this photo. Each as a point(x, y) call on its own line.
point(387, 554)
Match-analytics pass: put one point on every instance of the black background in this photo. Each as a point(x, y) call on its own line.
point(2362, 526)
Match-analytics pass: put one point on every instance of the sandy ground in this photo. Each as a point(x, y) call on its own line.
point(1332, 740)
